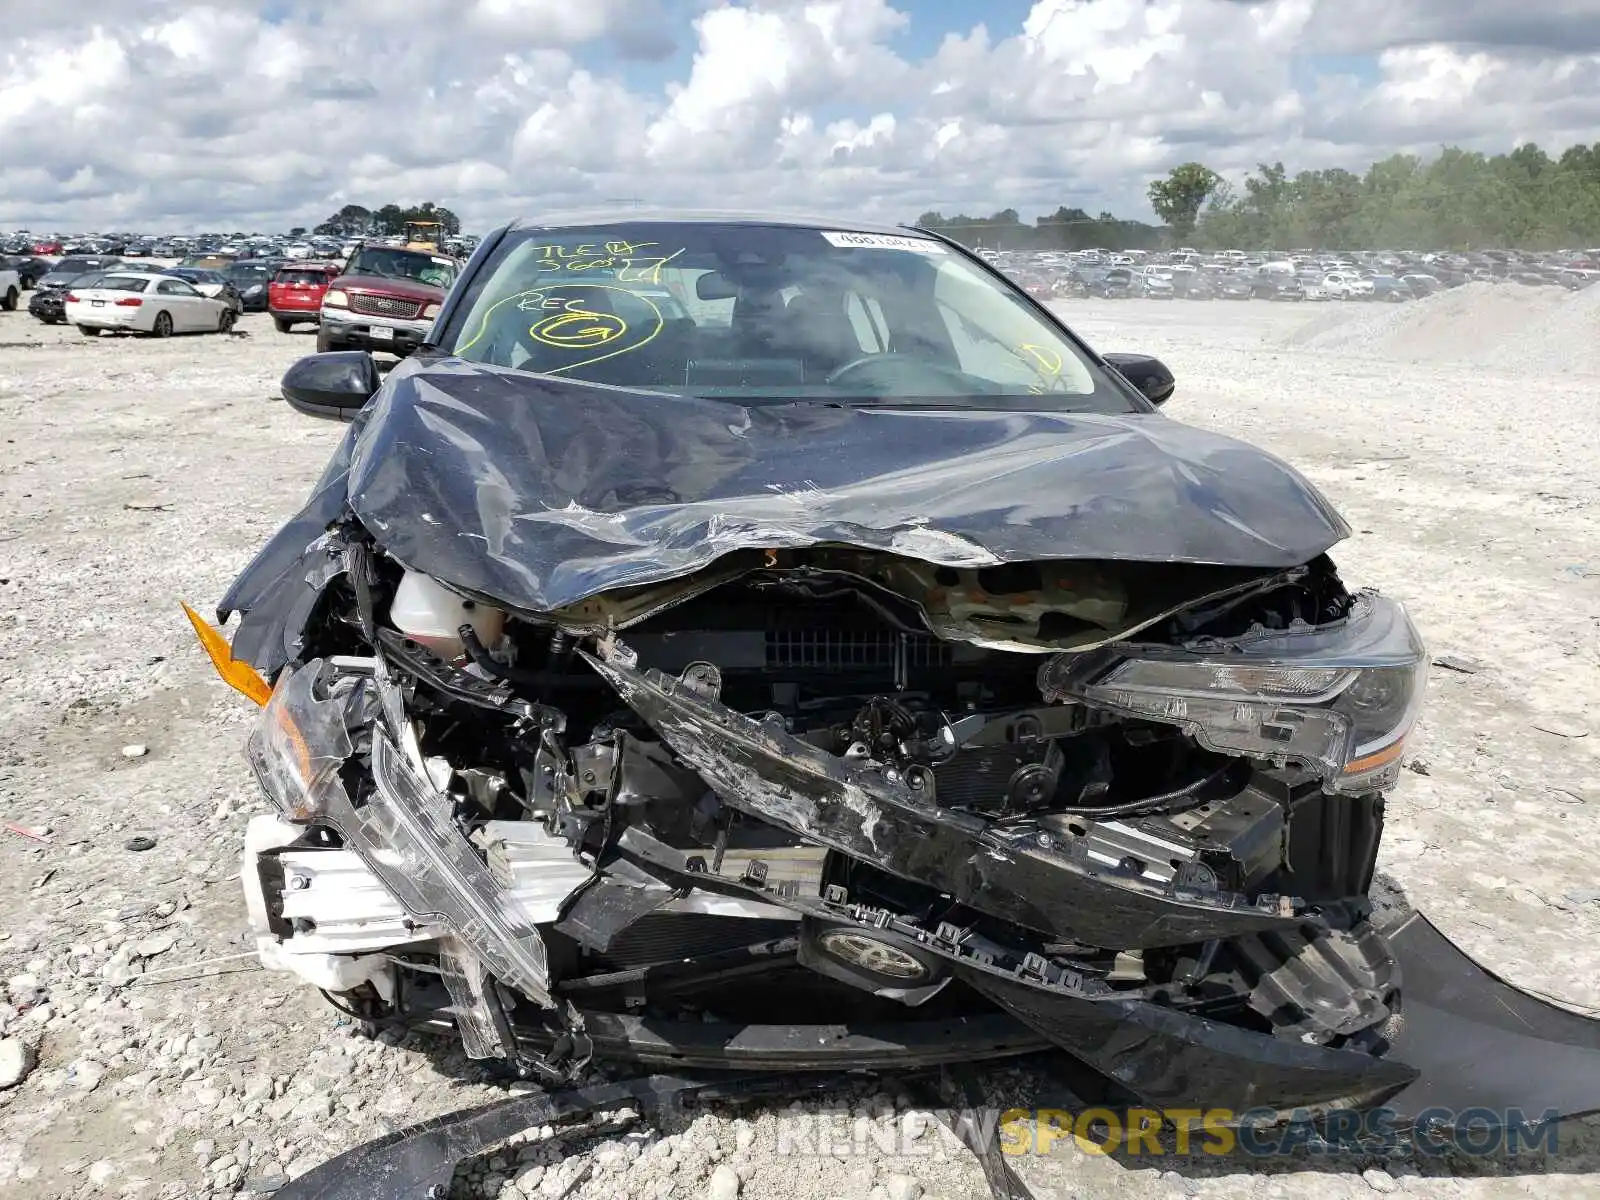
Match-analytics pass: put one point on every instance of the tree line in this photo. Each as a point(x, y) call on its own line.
point(1064, 229)
point(355, 221)
point(1457, 200)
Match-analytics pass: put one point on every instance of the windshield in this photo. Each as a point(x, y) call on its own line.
point(753, 312)
point(403, 264)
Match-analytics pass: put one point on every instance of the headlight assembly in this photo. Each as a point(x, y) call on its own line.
point(301, 743)
point(1341, 698)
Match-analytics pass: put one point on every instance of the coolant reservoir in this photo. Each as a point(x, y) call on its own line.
point(429, 614)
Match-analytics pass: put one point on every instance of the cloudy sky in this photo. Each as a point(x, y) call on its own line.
point(262, 114)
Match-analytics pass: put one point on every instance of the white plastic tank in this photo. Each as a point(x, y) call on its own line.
point(429, 614)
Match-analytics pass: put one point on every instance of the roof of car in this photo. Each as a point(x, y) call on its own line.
point(631, 216)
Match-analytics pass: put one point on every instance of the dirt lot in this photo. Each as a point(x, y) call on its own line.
point(136, 474)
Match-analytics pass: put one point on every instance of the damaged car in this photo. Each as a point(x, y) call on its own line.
point(784, 645)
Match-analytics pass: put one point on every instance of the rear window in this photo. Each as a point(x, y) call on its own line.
point(123, 283)
point(302, 276)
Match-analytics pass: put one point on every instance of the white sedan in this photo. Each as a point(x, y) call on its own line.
point(161, 305)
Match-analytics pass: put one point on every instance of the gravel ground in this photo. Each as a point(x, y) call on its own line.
point(136, 474)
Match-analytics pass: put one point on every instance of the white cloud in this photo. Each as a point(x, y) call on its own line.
point(160, 113)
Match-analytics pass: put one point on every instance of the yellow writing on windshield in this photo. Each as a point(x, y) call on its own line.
point(1043, 362)
point(1043, 359)
point(578, 328)
point(624, 258)
point(572, 317)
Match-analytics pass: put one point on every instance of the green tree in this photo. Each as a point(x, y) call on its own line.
point(1453, 200)
point(1178, 198)
point(389, 219)
point(350, 221)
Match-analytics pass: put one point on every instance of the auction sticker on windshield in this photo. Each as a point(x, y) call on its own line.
point(882, 241)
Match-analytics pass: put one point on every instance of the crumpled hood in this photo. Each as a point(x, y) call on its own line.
point(541, 492)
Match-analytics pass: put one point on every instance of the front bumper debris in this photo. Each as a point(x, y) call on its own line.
point(1479, 1051)
point(1480, 1044)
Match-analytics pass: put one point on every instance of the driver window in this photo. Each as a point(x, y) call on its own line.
point(174, 287)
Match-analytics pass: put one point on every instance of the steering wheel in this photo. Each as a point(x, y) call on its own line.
point(949, 375)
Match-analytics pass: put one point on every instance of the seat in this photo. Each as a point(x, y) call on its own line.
point(819, 332)
point(757, 323)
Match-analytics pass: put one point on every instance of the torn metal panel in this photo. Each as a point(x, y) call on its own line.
point(1017, 873)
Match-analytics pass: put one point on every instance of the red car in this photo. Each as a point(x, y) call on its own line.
point(47, 248)
point(295, 294)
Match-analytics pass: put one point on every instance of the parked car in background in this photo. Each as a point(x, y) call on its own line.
point(209, 261)
point(10, 289)
point(160, 305)
point(1234, 287)
point(386, 299)
point(1116, 284)
point(294, 297)
point(29, 268)
point(49, 304)
point(1390, 289)
point(1314, 289)
point(211, 283)
point(47, 246)
point(68, 269)
point(251, 278)
point(1153, 286)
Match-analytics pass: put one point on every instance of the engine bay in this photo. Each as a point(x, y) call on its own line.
point(786, 767)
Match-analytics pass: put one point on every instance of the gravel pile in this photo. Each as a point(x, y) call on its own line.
point(1545, 328)
point(1566, 340)
point(144, 1053)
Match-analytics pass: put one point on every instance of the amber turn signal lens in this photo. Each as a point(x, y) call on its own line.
point(241, 677)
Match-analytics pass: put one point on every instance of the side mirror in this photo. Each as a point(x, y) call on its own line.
point(335, 384)
point(1149, 375)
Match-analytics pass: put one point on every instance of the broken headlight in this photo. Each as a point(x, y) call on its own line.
point(301, 743)
point(1340, 697)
